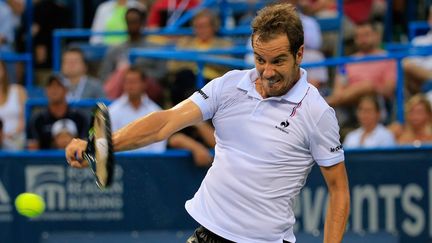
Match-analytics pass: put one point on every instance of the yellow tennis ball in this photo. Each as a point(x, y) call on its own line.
point(29, 204)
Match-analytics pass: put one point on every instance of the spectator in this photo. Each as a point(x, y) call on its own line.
point(12, 103)
point(134, 103)
point(371, 133)
point(418, 70)
point(358, 79)
point(80, 85)
point(48, 15)
point(417, 129)
point(163, 12)
point(39, 129)
point(17, 7)
point(63, 131)
point(319, 8)
point(201, 133)
point(110, 16)
point(7, 27)
point(205, 26)
point(116, 61)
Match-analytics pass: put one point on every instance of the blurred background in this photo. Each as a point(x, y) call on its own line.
point(370, 59)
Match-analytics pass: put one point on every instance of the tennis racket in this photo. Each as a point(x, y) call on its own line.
point(99, 152)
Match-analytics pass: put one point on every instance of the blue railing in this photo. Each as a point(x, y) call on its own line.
point(203, 57)
point(415, 27)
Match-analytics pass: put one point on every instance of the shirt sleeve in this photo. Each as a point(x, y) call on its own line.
point(325, 144)
point(208, 98)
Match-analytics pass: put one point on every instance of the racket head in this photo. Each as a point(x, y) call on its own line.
point(99, 152)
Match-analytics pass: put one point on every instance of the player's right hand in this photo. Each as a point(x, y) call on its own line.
point(74, 151)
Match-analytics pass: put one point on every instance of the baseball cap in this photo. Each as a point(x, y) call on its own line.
point(64, 125)
point(55, 78)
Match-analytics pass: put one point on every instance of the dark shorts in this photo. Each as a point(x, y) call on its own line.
point(203, 235)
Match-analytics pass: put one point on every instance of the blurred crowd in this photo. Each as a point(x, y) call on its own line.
point(362, 94)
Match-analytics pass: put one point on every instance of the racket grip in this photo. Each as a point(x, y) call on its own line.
point(76, 157)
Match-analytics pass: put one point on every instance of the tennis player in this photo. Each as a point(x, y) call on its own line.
point(271, 126)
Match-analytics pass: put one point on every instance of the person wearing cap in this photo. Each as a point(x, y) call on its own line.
point(63, 131)
point(39, 128)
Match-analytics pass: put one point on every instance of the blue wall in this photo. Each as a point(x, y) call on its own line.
point(391, 191)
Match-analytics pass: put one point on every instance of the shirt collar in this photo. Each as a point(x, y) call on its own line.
point(295, 94)
point(124, 99)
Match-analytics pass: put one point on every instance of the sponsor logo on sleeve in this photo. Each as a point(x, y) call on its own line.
point(337, 148)
point(204, 95)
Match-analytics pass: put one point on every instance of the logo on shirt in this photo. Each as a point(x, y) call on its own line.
point(204, 95)
point(284, 123)
point(282, 126)
point(337, 148)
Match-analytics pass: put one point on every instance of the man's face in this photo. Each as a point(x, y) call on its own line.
point(133, 85)
point(56, 92)
point(366, 39)
point(367, 114)
point(203, 28)
point(73, 65)
point(134, 23)
point(277, 67)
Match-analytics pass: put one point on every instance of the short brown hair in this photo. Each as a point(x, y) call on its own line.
point(277, 19)
point(214, 19)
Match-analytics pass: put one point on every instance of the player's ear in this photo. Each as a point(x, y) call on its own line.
point(299, 55)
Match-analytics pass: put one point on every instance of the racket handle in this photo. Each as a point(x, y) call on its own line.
point(76, 157)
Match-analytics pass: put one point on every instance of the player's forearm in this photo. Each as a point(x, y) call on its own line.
point(146, 130)
point(337, 216)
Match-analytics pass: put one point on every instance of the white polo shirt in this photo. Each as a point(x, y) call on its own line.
point(265, 149)
point(122, 113)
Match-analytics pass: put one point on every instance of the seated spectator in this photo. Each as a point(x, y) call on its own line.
point(134, 103)
point(163, 12)
point(418, 70)
point(116, 61)
point(417, 129)
point(355, 80)
point(110, 16)
point(7, 27)
point(319, 8)
point(358, 79)
point(205, 25)
point(371, 133)
point(201, 134)
point(39, 129)
point(12, 105)
point(63, 131)
point(80, 85)
point(48, 15)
